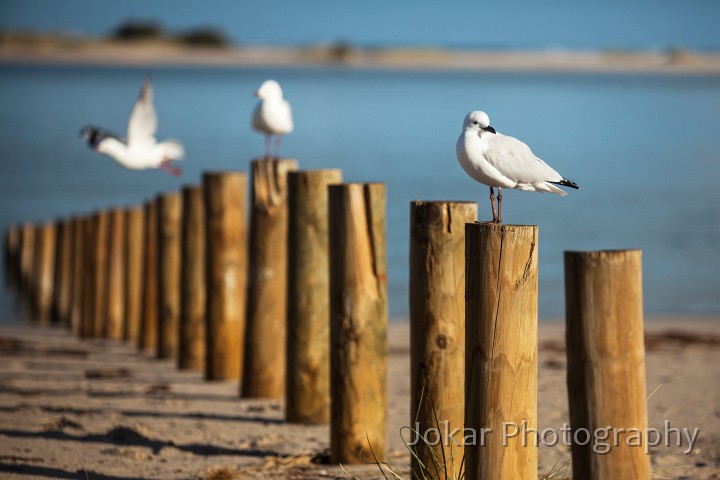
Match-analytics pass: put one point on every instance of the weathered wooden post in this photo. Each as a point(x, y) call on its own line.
point(78, 246)
point(44, 268)
point(115, 283)
point(358, 322)
point(437, 331)
point(501, 292)
point(87, 318)
point(57, 280)
point(98, 289)
point(193, 298)
point(308, 310)
point(226, 277)
point(134, 279)
point(27, 252)
point(62, 292)
point(606, 362)
point(169, 238)
point(12, 245)
point(147, 338)
point(264, 365)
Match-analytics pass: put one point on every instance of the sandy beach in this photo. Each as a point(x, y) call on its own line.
point(95, 409)
point(84, 52)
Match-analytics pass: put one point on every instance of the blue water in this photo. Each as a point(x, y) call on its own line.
point(645, 149)
point(525, 24)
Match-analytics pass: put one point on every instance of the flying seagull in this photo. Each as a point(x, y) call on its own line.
point(501, 161)
point(272, 115)
point(141, 150)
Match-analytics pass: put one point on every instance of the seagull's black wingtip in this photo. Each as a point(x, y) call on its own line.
point(567, 183)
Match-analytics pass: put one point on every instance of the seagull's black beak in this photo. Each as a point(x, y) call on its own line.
point(489, 129)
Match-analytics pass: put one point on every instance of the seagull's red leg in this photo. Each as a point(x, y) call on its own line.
point(268, 143)
point(492, 204)
point(499, 219)
point(278, 141)
point(168, 167)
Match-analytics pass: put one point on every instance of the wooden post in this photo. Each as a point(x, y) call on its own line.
point(62, 294)
point(169, 237)
point(12, 245)
point(192, 304)
point(101, 231)
point(437, 331)
point(27, 252)
point(134, 279)
point(358, 322)
point(58, 260)
point(501, 350)
point(78, 256)
point(226, 273)
point(44, 268)
point(87, 319)
point(308, 310)
point(147, 339)
point(606, 362)
point(115, 283)
point(264, 365)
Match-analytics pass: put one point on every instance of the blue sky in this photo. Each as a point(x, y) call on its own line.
point(636, 24)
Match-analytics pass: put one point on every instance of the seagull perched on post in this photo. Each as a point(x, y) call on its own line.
point(141, 150)
point(501, 161)
point(272, 115)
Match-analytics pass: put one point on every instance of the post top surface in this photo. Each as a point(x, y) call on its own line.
point(441, 202)
point(497, 226)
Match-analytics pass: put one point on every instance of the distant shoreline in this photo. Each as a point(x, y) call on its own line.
point(166, 54)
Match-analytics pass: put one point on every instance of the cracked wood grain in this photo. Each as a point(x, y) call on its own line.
point(501, 348)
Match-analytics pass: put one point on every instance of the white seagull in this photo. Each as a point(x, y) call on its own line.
point(142, 150)
point(501, 161)
point(272, 115)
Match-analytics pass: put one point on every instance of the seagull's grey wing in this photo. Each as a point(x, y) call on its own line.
point(143, 120)
point(516, 161)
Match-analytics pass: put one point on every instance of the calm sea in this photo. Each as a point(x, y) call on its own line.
point(644, 148)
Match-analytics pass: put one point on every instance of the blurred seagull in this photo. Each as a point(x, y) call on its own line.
point(272, 115)
point(141, 151)
point(501, 161)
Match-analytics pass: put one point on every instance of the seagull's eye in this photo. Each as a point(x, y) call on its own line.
point(474, 123)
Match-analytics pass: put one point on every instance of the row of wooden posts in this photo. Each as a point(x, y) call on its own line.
point(296, 309)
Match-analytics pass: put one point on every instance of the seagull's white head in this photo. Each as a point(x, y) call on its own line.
point(477, 121)
point(270, 89)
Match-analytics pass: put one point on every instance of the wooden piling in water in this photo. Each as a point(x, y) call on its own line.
point(606, 361)
point(169, 237)
point(148, 334)
point(437, 331)
point(44, 271)
point(264, 365)
point(193, 299)
point(308, 309)
point(78, 258)
point(134, 246)
point(501, 293)
point(226, 277)
point(358, 322)
point(115, 284)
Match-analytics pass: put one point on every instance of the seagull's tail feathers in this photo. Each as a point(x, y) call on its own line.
point(173, 149)
point(567, 183)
